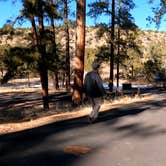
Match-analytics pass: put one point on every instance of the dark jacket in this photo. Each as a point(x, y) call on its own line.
point(93, 86)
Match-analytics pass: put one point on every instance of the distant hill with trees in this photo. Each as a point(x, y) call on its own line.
point(151, 45)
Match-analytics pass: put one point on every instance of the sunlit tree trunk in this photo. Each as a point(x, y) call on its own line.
point(80, 49)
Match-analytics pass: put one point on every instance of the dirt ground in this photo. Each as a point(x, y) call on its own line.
point(21, 106)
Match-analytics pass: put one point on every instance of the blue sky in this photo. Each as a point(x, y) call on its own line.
point(140, 13)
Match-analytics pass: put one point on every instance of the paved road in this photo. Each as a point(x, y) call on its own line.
point(134, 135)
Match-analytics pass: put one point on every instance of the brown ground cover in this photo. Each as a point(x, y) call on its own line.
point(21, 106)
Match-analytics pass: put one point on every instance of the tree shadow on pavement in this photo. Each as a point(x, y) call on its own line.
point(33, 147)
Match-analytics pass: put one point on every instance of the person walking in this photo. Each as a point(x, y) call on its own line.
point(94, 90)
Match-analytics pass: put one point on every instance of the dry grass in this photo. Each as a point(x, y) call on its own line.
point(38, 118)
point(51, 117)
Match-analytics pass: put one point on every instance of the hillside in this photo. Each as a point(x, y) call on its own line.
point(152, 43)
point(153, 40)
point(147, 38)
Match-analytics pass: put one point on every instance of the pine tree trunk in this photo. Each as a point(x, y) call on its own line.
point(35, 35)
point(43, 68)
point(56, 80)
point(55, 73)
point(118, 57)
point(44, 84)
point(118, 53)
point(67, 45)
point(80, 49)
point(111, 84)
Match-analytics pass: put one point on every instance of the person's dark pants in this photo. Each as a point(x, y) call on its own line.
point(96, 104)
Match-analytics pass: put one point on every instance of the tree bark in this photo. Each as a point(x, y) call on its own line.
point(67, 45)
point(55, 73)
point(43, 68)
point(80, 49)
point(118, 58)
point(118, 53)
point(112, 47)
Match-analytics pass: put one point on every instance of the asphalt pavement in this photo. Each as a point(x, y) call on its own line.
point(132, 135)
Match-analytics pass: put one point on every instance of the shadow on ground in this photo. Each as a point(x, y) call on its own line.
point(31, 147)
point(22, 106)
